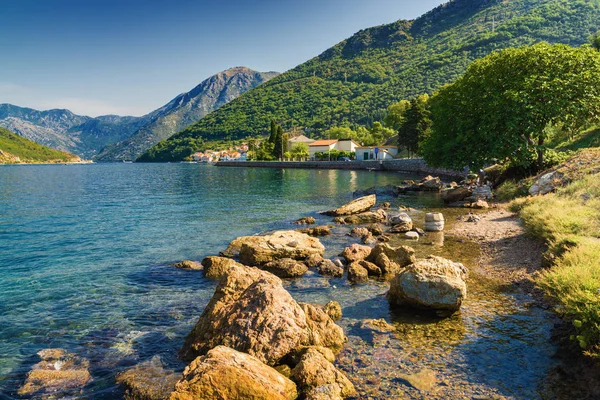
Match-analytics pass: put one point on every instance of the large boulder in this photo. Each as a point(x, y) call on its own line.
point(314, 371)
point(286, 268)
point(260, 250)
point(149, 380)
point(252, 312)
point(431, 184)
point(546, 183)
point(329, 268)
point(401, 223)
point(388, 268)
point(313, 261)
point(356, 252)
point(433, 283)
point(357, 273)
point(354, 207)
point(59, 374)
point(401, 256)
point(225, 373)
point(369, 217)
point(459, 193)
point(216, 267)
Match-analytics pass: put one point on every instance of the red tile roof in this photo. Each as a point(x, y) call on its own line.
point(323, 142)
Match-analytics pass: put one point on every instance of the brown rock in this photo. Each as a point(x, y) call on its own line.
point(339, 220)
point(372, 269)
point(375, 229)
point(305, 221)
point(281, 244)
point(328, 268)
point(215, 267)
point(359, 232)
point(314, 371)
point(188, 264)
point(313, 260)
point(402, 255)
point(148, 380)
point(369, 217)
point(225, 373)
point(57, 375)
point(432, 184)
point(316, 231)
point(334, 310)
point(481, 205)
point(355, 206)
point(326, 392)
point(356, 252)
point(357, 273)
point(388, 268)
point(286, 268)
point(457, 194)
point(322, 331)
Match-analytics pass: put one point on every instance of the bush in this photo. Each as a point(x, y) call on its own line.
point(510, 190)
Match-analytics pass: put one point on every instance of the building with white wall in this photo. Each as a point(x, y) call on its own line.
point(369, 153)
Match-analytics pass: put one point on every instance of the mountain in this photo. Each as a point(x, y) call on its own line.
point(356, 80)
point(63, 130)
point(15, 149)
point(186, 109)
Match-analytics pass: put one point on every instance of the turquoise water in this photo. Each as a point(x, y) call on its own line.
point(85, 251)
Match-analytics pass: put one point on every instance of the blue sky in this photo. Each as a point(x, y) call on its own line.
point(130, 57)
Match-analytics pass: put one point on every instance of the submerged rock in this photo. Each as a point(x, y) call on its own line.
point(334, 310)
point(314, 371)
point(286, 268)
point(225, 373)
point(252, 312)
point(215, 267)
point(433, 283)
point(260, 250)
point(148, 380)
point(58, 374)
point(354, 207)
point(188, 264)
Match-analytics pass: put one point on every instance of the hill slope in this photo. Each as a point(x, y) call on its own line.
point(17, 149)
point(186, 109)
point(357, 79)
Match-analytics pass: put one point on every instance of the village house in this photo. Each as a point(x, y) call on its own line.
point(325, 146)
point(382, 153)
point(299, 139)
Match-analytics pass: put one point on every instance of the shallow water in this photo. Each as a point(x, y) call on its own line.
point(84, 265)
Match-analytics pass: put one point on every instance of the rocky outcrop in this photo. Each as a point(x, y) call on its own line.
point(357, 206)
point(148, 380)
point(546, 183)
point(58, 374)
point(433, 283)
point(313, 261)
point(402, 256)
point(388, 268)
point(188, 264)
point(356, 252)
point(224, 373)
point(286, 268)
point(217, 267)
point(314, 371)
point(431, 184)
point(260, 250)
point(368, 217)
point(359, 233)
point(305, 221)
point(252, 312)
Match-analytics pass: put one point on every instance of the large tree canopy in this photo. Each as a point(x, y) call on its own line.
point(501, 107)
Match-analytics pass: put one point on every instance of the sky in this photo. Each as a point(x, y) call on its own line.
point(129, 57)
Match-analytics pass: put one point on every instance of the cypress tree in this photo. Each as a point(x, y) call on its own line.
point(279, 150)
point(273, 132)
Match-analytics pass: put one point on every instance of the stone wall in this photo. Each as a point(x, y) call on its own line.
point(415, 166)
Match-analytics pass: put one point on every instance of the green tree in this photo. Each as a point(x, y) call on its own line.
point(501, 108)
point(416, 126)
point(300, 151)
point(380, 134)
point(396, 115)
point(280, 146)
point(273, 132)
point(595, 41)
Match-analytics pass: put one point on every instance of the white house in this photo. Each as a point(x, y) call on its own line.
point(321, 146)
point(369, 153)
point(348, 145)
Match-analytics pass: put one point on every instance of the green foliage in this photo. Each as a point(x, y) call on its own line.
point(375, 136)
point(417, 124)
point(595, 41)
point(300, 151)
point(501, 108)
point(29, 152)
point(280, 144)
point(175, 150)
point(586, 139)
point(273, 135)
point(396, 115)
point(355, 81)
point(334, 155)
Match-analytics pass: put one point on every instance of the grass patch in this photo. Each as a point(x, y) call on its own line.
point(569, 220)
point(587, 139)
point(511, 190)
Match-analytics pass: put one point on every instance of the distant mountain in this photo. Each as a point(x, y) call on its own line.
point(15, 149)
point(356, 80)
point(186, 109)
point(63, 130)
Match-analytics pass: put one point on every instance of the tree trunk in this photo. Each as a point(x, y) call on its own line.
point(540, 154)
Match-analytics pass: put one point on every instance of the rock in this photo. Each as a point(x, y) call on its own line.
point(420, 231)
point(326, 392)
point(457, 194)
point(313, 260)
point(188, 264)
point(329, 268)
point(339, 261)
point(432, 184)
point(284, 370)
point(401, 228)
point(375, 229)
point(424, 380)
point(252, 312)
point(366, 218)
point(339, 220)
point(482, 193)
point(233, 250)
point(433, 283)
point(314, 371)
point(378, 325)
point(355, 206)
point(388, 268)
point(58, 374)
point(372, 269)
point(357, 273)
point(359, 232)
point(356, 252)
point(402, 255)
point(316, 231)
point(334, 310)
point(225, 373)
point(389, 190)
point(434, 222)
point(546, 183)
point(480, 204)
point(369, 239)
point(400, 223)
point(148, 380)
point(215, 267)
point(411, 235)
point(260, 250)
point(386, 205)
point(305, 221)
point(286, 268)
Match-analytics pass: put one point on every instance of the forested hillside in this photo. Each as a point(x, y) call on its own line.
point(15, 149)
point(356, 80)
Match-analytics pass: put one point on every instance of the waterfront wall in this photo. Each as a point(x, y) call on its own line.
point(415, 166)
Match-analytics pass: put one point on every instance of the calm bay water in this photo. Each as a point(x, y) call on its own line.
point(85, 254)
